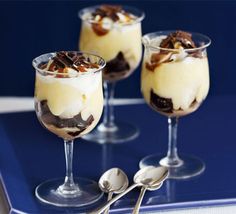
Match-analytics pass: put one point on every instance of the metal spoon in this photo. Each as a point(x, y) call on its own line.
point(141, 195)
point(112, 181)
point(148, 176)
point(150, 188)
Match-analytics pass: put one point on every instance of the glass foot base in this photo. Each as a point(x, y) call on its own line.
point(88, 193)
point(191, 166)
point(120, 133)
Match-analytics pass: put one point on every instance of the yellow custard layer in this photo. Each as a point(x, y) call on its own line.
point(126, 39)
point(182, 81)
point(67, 97)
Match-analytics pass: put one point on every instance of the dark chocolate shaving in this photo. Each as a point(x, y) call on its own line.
point(75, 122)
point(109, 11)
point(160, 103)
point(72, 60)
point(118, 64)
point(178, 39)
point(175, 40)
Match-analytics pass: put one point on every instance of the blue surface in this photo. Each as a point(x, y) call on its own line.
point(31, 28)
point(29, 154)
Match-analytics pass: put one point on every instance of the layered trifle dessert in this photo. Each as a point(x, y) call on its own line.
point(113, 32)
point(68, 94)
point(175, 73)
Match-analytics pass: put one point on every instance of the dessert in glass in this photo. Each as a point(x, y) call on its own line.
point(175, 82)
point(69, 103)
point(113, 32)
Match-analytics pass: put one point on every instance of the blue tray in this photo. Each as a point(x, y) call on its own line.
point(29, 154)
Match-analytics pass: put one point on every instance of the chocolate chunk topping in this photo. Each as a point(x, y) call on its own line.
point(175, 40)
point(109, 11)
point(160, 103)
point(178, 39)
point(63, 60)
point(75, 122)
point(118, 64)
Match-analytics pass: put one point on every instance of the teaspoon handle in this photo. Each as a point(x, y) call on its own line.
point(104, 207)
point(108, 199)
point(139, 201)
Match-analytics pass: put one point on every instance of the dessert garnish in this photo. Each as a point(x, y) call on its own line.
point(104, 16)
point(109, 11)
point(63, 60)
point(178, 41)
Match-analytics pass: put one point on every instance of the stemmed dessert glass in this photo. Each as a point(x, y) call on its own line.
point(174, 82)
point(69, 103)
point(119, 43)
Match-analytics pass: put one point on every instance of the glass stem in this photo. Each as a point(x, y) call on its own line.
point(108, 116)
point(172, 159)
point(68, 188)
point(69, 181)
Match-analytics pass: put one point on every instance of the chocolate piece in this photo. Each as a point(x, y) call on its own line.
point(160, 103)
point(118, 64)
point(151, 66)
point(157, 59)
point(99, 30)
point(74, 134)
point(181, 39)
point(99, 12)
point(109, 11)
point(178, 39)
point(63, 60)
point(175, 40)
point(75, 122)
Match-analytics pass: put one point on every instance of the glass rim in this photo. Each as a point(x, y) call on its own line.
point(35, 64)
point(87, 9)
point(146, 41)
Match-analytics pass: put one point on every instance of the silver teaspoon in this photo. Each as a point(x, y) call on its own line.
point(147, 176)
point(112, 181)
point(165, 173)
point(141, 195)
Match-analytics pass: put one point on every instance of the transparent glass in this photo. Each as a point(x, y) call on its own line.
point(175, 87)
point(121, 47)
point(69, 111)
